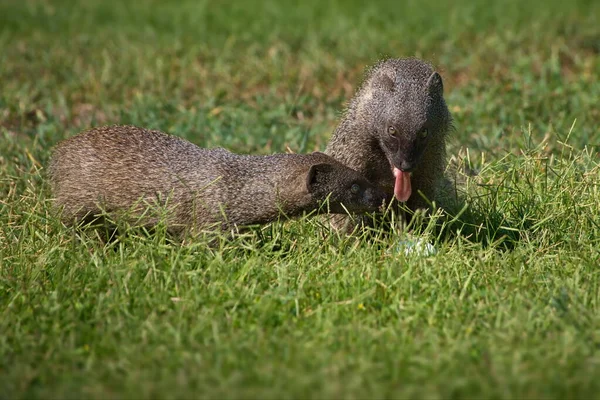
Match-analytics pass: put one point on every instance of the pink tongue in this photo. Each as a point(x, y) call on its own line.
point(402, 189)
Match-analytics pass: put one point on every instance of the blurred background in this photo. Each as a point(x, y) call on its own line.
point(257, 76)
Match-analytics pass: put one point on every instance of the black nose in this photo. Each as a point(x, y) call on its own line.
point(378, 198)
point(406, 166)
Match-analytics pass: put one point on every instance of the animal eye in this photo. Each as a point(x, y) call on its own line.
point(355, 188)
point(424, 133)
point(391, 130)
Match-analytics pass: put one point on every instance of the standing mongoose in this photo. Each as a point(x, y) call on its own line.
point(394, 131)
point(123, 170)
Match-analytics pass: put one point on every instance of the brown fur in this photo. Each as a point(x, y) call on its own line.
point(124, 170)
point(408, 95)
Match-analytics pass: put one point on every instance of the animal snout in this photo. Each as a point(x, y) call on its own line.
point(376, 199)
point(384, 200)
point(406, 166)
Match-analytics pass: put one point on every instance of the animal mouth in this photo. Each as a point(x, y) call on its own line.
point(402, 187)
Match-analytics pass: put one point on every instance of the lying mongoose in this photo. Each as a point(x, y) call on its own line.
point(394, 131)
point(122, 170)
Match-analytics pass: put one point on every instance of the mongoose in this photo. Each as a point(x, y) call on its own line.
point(394, 131)
point(124, 169)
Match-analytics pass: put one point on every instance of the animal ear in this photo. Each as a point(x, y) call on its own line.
point(317, 175)
point(435, 85)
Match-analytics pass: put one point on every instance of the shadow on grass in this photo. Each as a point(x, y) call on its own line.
point(530, 197)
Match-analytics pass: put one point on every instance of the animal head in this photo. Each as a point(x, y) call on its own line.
point(343, 189)
point(403, 106)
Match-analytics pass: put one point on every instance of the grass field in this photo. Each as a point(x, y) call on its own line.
point(509, 307)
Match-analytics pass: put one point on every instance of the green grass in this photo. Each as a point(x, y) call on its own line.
point(509, 307)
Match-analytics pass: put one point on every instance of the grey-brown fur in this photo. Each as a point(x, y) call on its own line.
point(408, 95)
point(113, 168)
